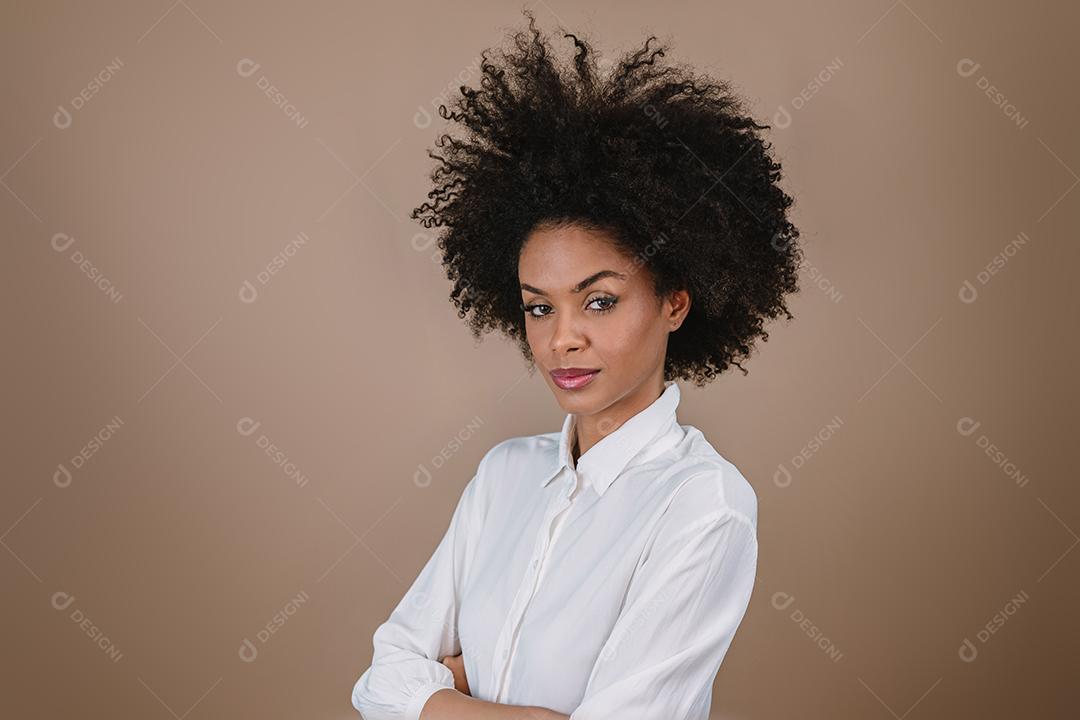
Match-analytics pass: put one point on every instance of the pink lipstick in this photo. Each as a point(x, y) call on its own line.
point(573, 378)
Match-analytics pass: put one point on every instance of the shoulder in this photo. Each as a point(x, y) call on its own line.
point(520, 458)
point(708, 485)
point(521, 451)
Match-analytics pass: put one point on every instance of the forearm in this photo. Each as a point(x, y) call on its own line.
point(449, 704)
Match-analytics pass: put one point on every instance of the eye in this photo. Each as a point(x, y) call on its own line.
point(607, 303)
point(529, 309)
point(598, 305)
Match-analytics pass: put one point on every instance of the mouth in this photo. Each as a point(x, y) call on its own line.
point(573, 378)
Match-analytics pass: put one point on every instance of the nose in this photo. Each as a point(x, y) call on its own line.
point(567, 336)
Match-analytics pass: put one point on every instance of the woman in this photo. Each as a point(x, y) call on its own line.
point(627, 232)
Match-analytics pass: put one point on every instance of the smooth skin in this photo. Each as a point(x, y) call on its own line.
point(589, 304)
point(615, 323)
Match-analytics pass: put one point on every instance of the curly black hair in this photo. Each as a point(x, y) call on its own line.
point(665, 160)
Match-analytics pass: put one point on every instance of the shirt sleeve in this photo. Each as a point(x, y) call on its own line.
point(683, 607)
point(405, 667)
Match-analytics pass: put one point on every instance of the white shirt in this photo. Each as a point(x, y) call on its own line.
point(609, 589)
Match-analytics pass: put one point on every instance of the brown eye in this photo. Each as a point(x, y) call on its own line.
point(529, 309)
point(607, 303)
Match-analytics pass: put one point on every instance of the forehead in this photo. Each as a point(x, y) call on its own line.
point(557, 258)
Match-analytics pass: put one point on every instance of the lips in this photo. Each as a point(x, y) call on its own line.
point(573, 378)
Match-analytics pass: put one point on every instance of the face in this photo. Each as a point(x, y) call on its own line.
point(591, 308)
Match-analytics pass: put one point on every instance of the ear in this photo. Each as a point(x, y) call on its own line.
point(676, 308)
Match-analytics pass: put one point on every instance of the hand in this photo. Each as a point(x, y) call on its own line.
point(457, 665)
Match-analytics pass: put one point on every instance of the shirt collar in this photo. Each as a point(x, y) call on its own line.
point(605, 460)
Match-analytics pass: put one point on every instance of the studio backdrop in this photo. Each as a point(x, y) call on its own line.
point(239, 406)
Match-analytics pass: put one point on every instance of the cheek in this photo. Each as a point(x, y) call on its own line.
point(631, 333)
point(535, 335)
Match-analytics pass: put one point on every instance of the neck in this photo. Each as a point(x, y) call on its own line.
point(591, 429)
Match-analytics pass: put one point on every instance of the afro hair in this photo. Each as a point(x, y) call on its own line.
point(665, 160)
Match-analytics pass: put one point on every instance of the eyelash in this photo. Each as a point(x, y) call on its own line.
point(611, 300)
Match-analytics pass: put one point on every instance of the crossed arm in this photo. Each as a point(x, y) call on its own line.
point(681, 612)
point(450, 704)
point(454, 703)
point(403, 681)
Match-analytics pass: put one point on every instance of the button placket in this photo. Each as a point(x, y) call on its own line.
point(530, 581)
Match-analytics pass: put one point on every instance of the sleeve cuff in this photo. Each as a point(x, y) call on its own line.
point(420, 698)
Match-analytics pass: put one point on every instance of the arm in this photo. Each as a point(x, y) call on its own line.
point(405, 668)
point(684, 604)
point(452, 705)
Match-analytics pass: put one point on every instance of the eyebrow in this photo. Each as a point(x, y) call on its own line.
point(581, 285)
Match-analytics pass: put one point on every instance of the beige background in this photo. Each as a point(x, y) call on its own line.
point(133, 143)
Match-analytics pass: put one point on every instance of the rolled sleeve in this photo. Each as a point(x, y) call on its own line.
point(683, 607)
point(406, 667)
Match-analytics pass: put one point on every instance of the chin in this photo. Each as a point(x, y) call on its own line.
point(582, 401)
